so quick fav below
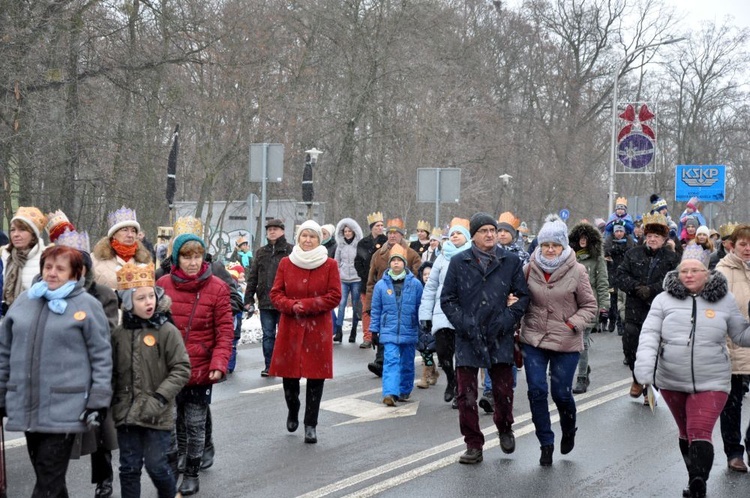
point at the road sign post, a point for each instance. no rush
(438, 185)
(266, 165)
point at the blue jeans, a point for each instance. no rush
(488, 380)
(562, 369)
(139, 445)
(398, 368)
(269, 320)
(347, 289)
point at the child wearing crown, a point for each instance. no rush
(620, 215)
(150, 366)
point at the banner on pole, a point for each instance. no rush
(636, 139)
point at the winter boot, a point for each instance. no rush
(424, 382)
(190, 483)
(207, 460)
(433, 375)
(700, 459)
(353, 333)
(684, 450)
(450, 389)
(582, 382)
(338, 336)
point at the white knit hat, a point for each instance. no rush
(554, 230)
(703, 229)
(310, 225)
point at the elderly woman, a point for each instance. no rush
(120, 246)
(683, 352)
(348, 235)
(562, 307)
(307, 287)
(202, 312)
(21, 256)
(55, 366)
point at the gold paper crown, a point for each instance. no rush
(436, 233)
(462, 222)
(188, 224)
(423, 225)
(396, 224)
(510, 219)
(374, 218)
(33, 217)
(130, 276)
(621, 201)
(397, 251)
(656, 218)
(728, 229)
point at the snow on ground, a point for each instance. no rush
(252, 332)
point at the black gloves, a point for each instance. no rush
(643, 292)
(93, 418)
(425, 325)
(375, 338)
(426, 342)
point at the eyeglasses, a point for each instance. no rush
(485, 231)
(691, 271)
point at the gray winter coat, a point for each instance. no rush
(429, 308)
(345, 253)
(688, 334)
(53, 367)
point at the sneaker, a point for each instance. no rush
(264, 372)
(508, 442)
(546, 459)
(389, 400)
(365, 345)
(568, 441)
(471, 456)
(487, 403)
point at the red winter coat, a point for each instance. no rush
(202, 311)
(304, 343)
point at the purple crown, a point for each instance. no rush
(74, 239)
(121, 215)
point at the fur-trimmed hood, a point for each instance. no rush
(592, 234)
(716, 287)
(339, 235)
(103, 251)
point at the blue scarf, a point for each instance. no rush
(56, 298)
(449, 249)
(245, 257)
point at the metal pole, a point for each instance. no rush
(437, 197)
(263, 195)
(611, 203)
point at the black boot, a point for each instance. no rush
(181, 460)
(208, 457)
(291, 395)
(450, 389)
(338, 336)
(700, 459)
(190, 483)
(353, 333)
(104, 488)
(311, 437)
(684, 450)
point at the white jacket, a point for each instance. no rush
(30, 269)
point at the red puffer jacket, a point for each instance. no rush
(202, 312)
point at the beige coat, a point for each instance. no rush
(106, 262)
(566, 298)
(738, 277)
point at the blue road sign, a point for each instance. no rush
(707, 183)
(564, 214)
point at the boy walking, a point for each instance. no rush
(151, 366)
(395, 324)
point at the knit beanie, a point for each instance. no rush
(692, 222)
(310, 225)
(179, 241)
(460, 228)
(554, 230)
(618, 226)
(330, 229)
(478, 220)
(703, 229)
(657, 203)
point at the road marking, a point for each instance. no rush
(272, 388)
(367, 411)
(581, 406)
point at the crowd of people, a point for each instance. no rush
(477, 301)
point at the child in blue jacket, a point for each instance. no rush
(395, 324)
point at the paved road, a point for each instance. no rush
(366, 449)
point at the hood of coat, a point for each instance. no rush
(591, 233)
(103, 251)
(733, 262)
(351, 224)
(716, 287)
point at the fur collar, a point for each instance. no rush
(592, 234)
(103, 251)
(715, 289)
(340, 231)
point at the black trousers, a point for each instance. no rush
(445, 347)
(49, 454)
(630, 340)
(312, 398)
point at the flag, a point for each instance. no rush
(172, 168)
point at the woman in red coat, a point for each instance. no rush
(202, 311)
(307, 287)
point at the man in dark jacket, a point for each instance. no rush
(479, 285)
(365, 249)
(640, 276)
(260, 281)
(615, 247)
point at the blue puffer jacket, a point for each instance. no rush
(396, 320)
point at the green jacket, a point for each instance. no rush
(146, 361)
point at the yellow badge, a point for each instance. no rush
(710, 313)
(389, 291)
(149, 340)
(79, 315)
(377, 246)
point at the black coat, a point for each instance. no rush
(263, 272)
(614, 253)
(365, 249)
(643, 267)
(474, 301)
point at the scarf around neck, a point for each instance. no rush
(56, 298)
(125, 252)
(449, 249)
(308, 260)
(245, 258)
(550, 265)
(13, 279)
(398, 277)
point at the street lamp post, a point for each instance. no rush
(613, 157)
(311, 159)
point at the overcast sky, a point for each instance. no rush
(715, 10)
